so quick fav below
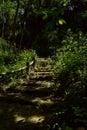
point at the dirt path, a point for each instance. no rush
(28, 105)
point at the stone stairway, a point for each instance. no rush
(43, 69)
(39, 86)
(30, 101)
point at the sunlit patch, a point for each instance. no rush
(32, 119)
(36, 119)
(19, 118)
(44, 84)
(36, 100)
(41, 101)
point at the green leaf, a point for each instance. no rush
(61, 21)
(45, 14)
(45, 17)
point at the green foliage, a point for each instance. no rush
(26, 55)
(21, 58)
(12, 60)
(61, 21)
(14, 82)
(71, 75)
(6, 54)
(42, 24)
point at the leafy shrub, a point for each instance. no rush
(71, 60)
(22, 56)
(6, 54)
(26, 55)
(10, 59)
(71, 75)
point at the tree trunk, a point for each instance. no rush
(3, 21)
(14, 24)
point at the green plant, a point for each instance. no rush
(71, 58)
(6, 55)
(71, 75)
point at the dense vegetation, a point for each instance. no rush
(55, 28)
(71, 81)
(11, 59)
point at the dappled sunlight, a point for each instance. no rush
(32, 119)
(36, 119)
(19, 118)
(25, 104)
(44, 83)
(42, 101)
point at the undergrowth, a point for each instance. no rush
(13, 60)
(71, 82)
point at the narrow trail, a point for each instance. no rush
(28, 105)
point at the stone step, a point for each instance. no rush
(42, 77)
(50, 68)
(41, 73)
(43, 61)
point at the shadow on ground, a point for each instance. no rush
(26, 107)
(21, 117)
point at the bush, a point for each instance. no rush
(71, 75)
(6, 54)
(71, 60)
(12, 60)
